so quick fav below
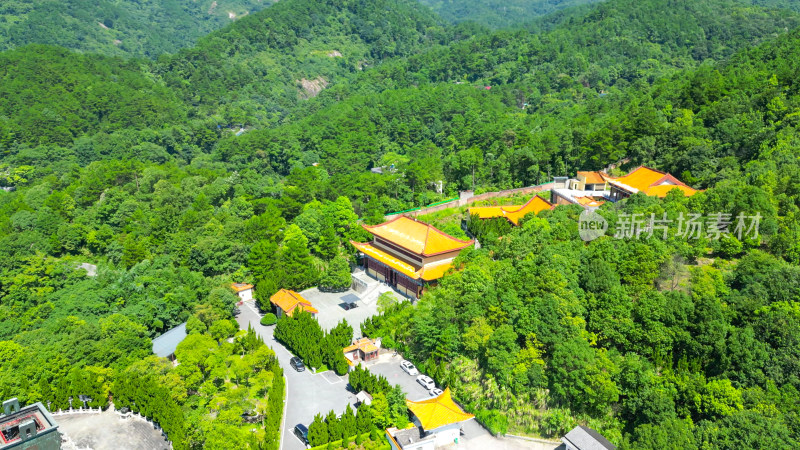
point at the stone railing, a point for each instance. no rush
(77, 411)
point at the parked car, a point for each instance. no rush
(426, 382)
(349, 305)
(408, 368)
(435, 392)
(301, 432)
(297, 364)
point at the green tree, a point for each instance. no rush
(348, 422)
(297, 263)
(337, 276)
(318, 432)
(335, 430)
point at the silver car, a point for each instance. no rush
(409, 368)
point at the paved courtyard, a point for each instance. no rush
(331, 311)
(107, 431)
(390, 368)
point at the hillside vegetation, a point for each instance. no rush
(658, 343)
(140, 28)
(498, 14)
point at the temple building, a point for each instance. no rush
(592, 181)
(648, 181)
(27, 428)
(408, 254)
(587, 189)
(364, 349)
(591, 189)
(437, 423)
(287, 302)
(512, 213)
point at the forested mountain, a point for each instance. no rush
(131, 165)
(52, 96)
(618, 40)
(498, 14)
(531, 77)
(143, 28)
(265, 63)
(659, 343)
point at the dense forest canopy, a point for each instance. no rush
(140, 28)
(498, 14)
(247, 157)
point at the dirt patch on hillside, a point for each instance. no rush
(311, 88)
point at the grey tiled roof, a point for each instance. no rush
(166, 344)
(585, 438)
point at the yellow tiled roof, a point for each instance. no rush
(434, 271)
(512, 213)
(661, 191)
(652, 182)
(417, 237)
(641, 178)
(239, 287)
(396, 264)
(589, 201)
(593, 177)
(289, 300)
(366, 345)
(428, 273)
(488, 212)
(438, 411)
(534, 205)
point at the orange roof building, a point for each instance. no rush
(287, 301)
(243, 290)
(408, 254)
(512, 213)
(592, 181)
(364, 349)
(648, 181)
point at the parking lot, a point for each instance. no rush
(331, 311)
(390, 368)
(308, 393)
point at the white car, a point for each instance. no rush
(408, 368)
(426, 382)
(435, 392)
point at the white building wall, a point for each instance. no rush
(246, 294)
(447, 434)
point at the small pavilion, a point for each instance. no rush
(437, 423)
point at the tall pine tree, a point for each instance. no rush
(296, 260)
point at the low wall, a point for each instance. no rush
(470, 199)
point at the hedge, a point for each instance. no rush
(269, 319)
